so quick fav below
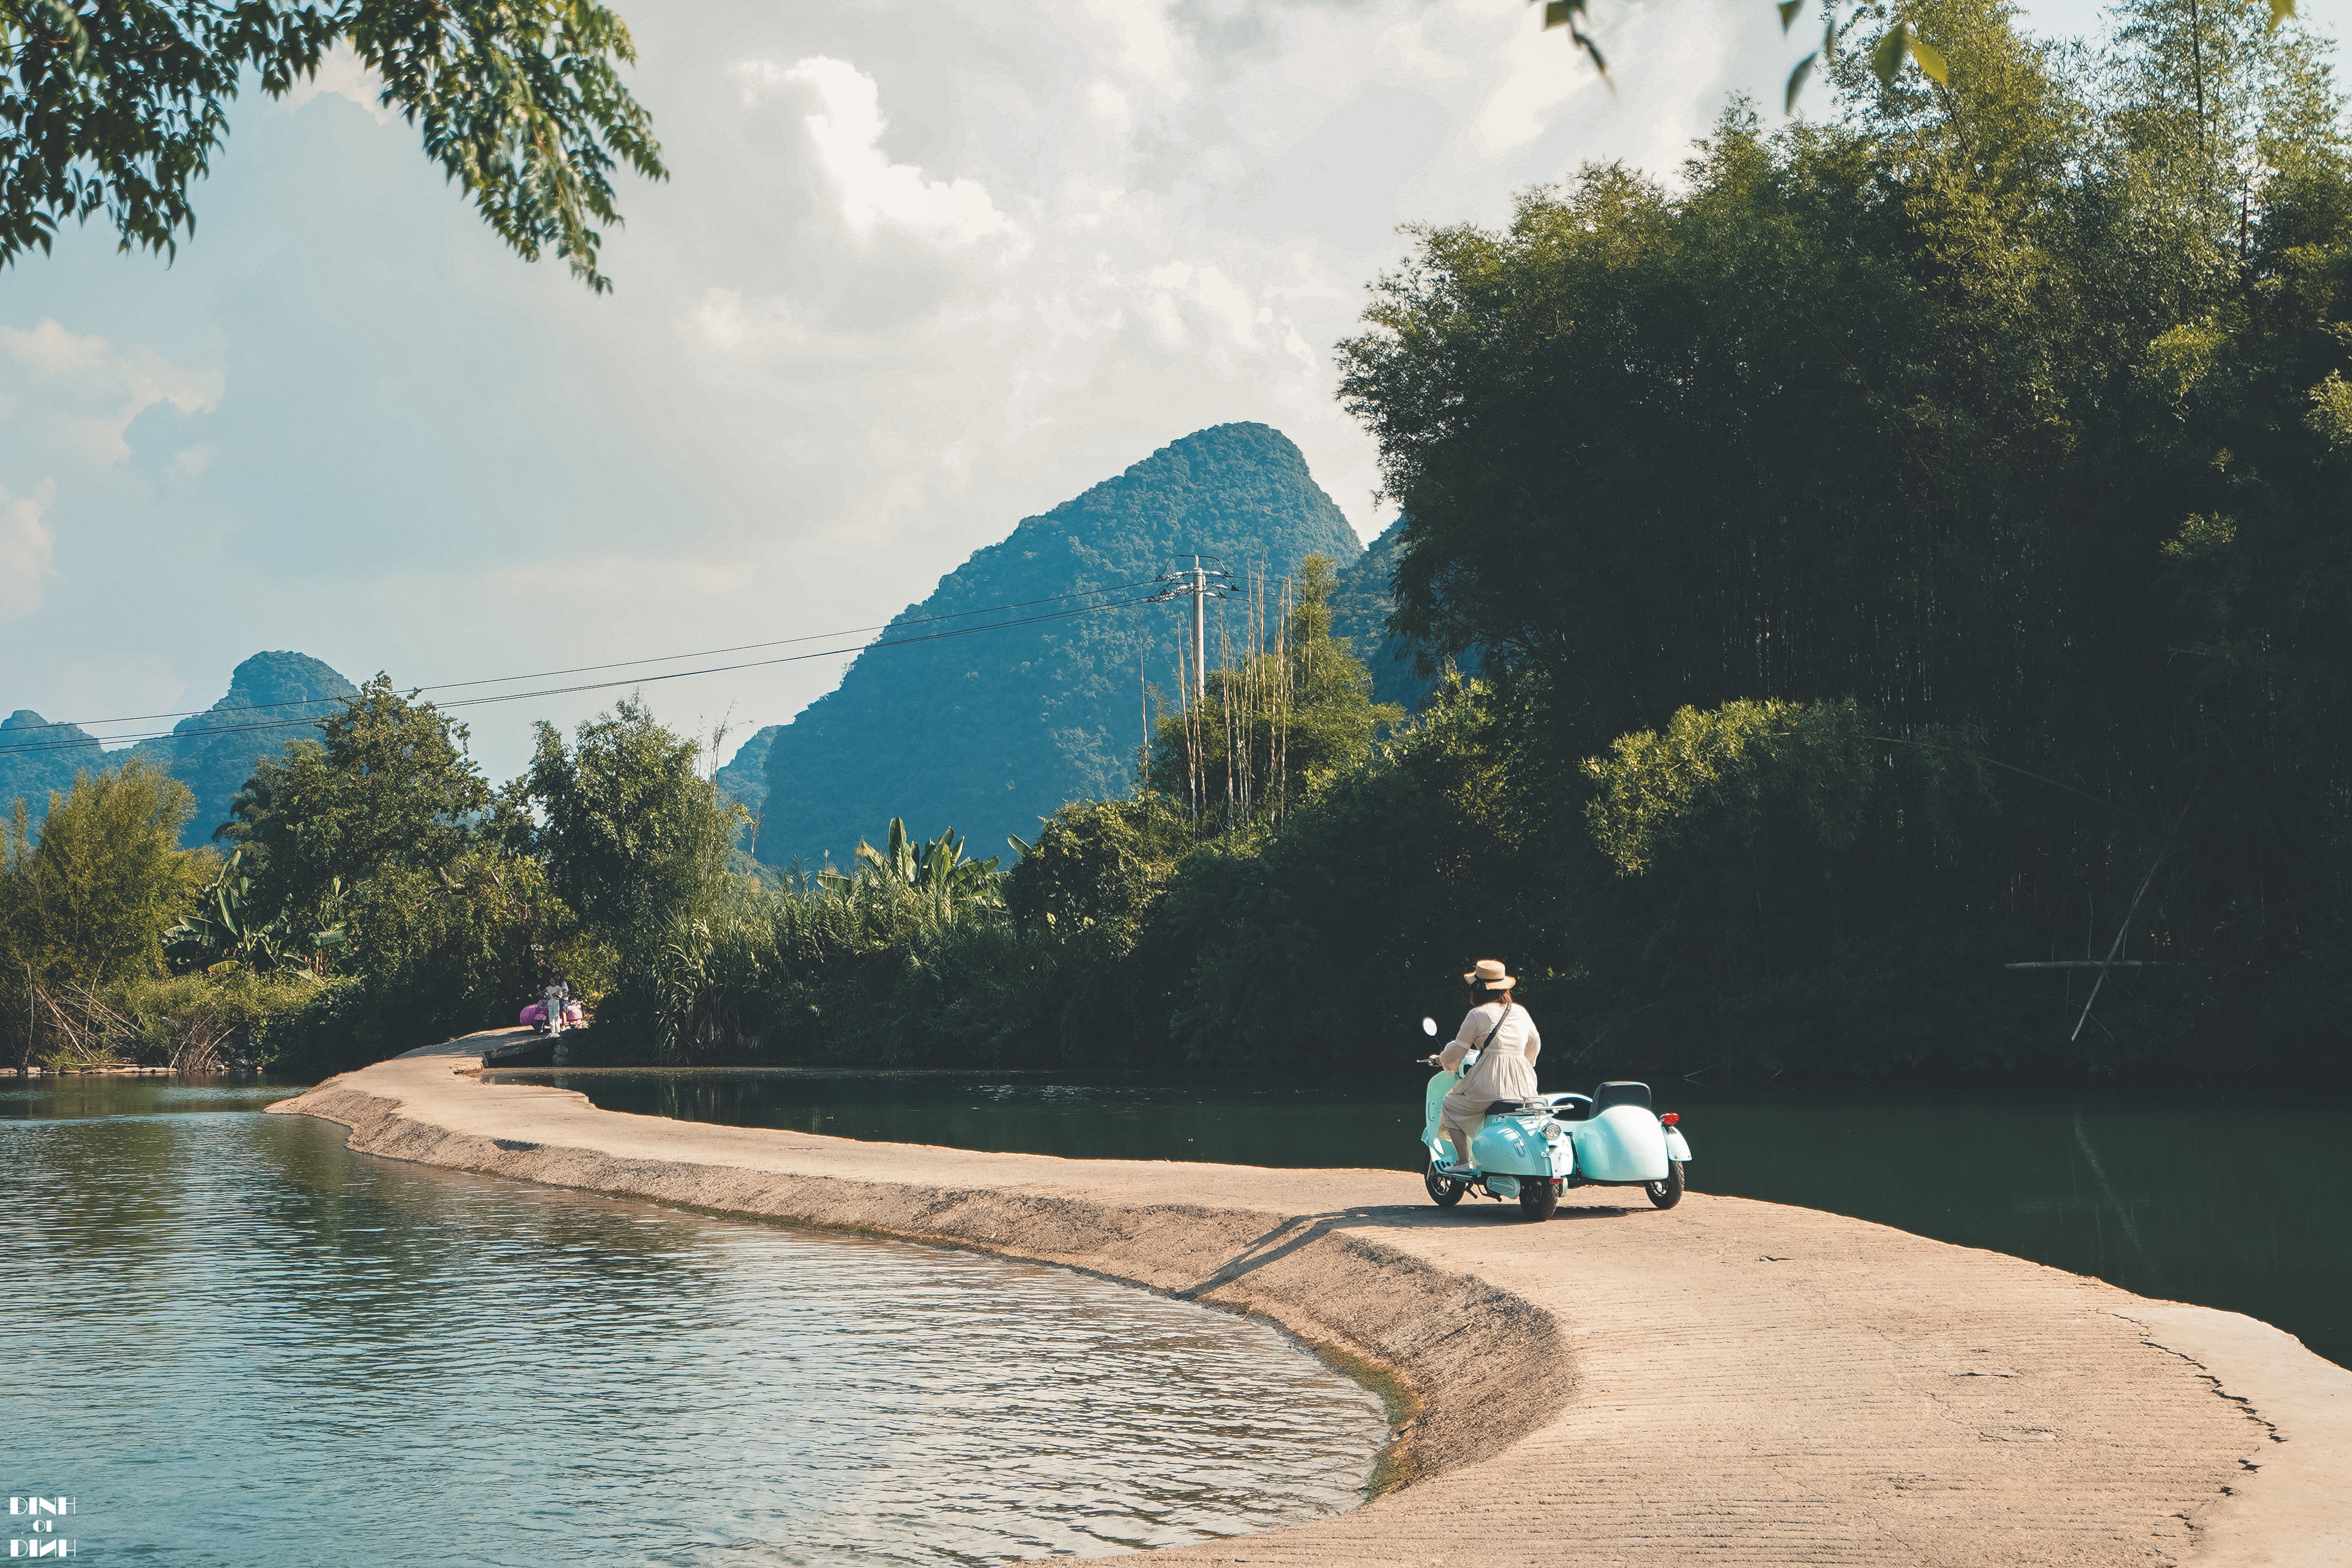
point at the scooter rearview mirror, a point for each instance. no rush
(1429, 1027)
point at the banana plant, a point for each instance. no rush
(937, 867)
(221, 932)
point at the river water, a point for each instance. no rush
(233, 1341)
(2237, 1205)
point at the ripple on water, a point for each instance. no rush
(255, 1347)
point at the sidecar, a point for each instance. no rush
(1620, 1142)
(1534, 1149)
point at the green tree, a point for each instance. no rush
(635, 835)
(1999, 408)
(379, 855)
(87, 904)
(1293, 712)
(116, 108)
(387, 786)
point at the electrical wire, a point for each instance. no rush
(586, 668)
(310, 722)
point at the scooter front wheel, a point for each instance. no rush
(1665, 1195)
(1443, 1192)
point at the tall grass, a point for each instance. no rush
(863, 970)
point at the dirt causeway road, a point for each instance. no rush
(1729, 1383)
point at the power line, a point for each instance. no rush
(583, 669)
(606, 685)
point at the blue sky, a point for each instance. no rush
(918, 274)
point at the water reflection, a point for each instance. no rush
(261, 1349)
(2232, 1205)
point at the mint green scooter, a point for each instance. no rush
(1534, 1149)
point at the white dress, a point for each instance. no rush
(1505, 1072)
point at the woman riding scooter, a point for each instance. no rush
(1507, 1044)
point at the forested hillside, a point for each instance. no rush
(37, 756)
(270, 697)
(989, 732)
(1363, 605)
(744, 778)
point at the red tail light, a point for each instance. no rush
(1671, 1117)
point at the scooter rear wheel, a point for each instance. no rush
(1665, 1195)
(1443, 1193)
(1538, 1199)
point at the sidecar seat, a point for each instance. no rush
(1622, 1092)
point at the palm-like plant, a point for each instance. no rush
(224, 929)
(936, 867)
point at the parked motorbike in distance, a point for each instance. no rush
(554, 1012)
(1535, 1149)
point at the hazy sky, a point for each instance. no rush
(919, 272)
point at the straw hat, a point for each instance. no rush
(1490, 974)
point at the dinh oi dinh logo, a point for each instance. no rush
(33, 1526)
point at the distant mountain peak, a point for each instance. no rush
(284, 677)
(213, 753)
(988, 733)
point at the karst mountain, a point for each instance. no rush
(989, 732)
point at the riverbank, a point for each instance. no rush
(1729, 1383)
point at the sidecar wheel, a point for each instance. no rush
(1444, 1194)
(1538, 1199)
(1665, 1195)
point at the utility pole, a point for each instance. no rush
(1199, 583)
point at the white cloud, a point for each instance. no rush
(737, 326)
(1110, 106)
(94, 390)
(189, 463)
(341, 74)
(846, 129)
(1540, 70)
(1138, 38)
(27, 548)
(49, 349)
(884, 309)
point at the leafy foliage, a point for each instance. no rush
(116, 109)
(88, 904)
(1294, 712)
(226, 928)
(634, 833)
(1992, 422)
(377, 864)
(1724, 769)
(387, 786)
(936, 868)
(83, 908)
